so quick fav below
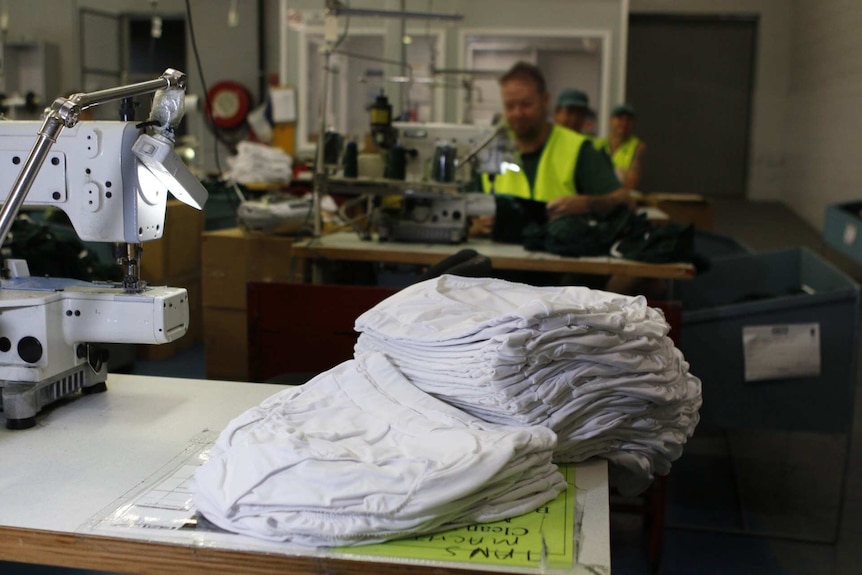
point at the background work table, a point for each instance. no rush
(85, 457)
(348, 246)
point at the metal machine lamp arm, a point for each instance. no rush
(500, 128)
(65, 113)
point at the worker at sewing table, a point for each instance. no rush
(557, 167)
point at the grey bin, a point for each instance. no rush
(842, 229)
(220, 212)
(784, 287)
(713, 245)
(221, 206)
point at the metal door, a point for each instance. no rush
(690, 80)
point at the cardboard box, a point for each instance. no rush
(195, 331)
(178, 253)
(683, 208)
(231, 258)
(226, 344)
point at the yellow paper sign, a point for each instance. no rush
(518, 542)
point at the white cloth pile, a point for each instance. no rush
(256, 163)
(597, 368)
(360, 455)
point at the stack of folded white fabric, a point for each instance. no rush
(360, 455)
(597, 368)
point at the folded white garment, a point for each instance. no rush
(597, 368)
(451, 308)
(360, 455)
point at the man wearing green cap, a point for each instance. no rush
(572, 109)
(558, 166)
(624, 148)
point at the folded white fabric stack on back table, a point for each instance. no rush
(597, 368)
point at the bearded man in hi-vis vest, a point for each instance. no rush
(556, 166)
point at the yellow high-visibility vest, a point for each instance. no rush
(624, 155)
(555, 176)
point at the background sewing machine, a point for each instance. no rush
(439, 191)
(112, 181)
(422, 143)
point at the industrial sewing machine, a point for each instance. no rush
(423, 142)
(441, 162)
(112, 180)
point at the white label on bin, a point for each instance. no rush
(849, 234)
(781, 351)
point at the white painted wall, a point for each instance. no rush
(807, 123)
(559, 16)
(824, 110)
(566, 70)
(562, 55)
(768, 161)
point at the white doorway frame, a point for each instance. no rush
(604, 37)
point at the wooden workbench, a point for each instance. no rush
(86, 456)
(349, 247)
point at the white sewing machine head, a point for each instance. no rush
(112, 180)
(93, 174)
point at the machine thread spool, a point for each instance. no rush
(443, 167)
(396, 165)
(351, 160)
(332, 144)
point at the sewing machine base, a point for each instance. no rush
(439, 220)
(22, 401)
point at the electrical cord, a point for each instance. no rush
(349, 222)
(375, 59)
(346, 28)
(432, 47)
(213, 128)
(383, 61)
